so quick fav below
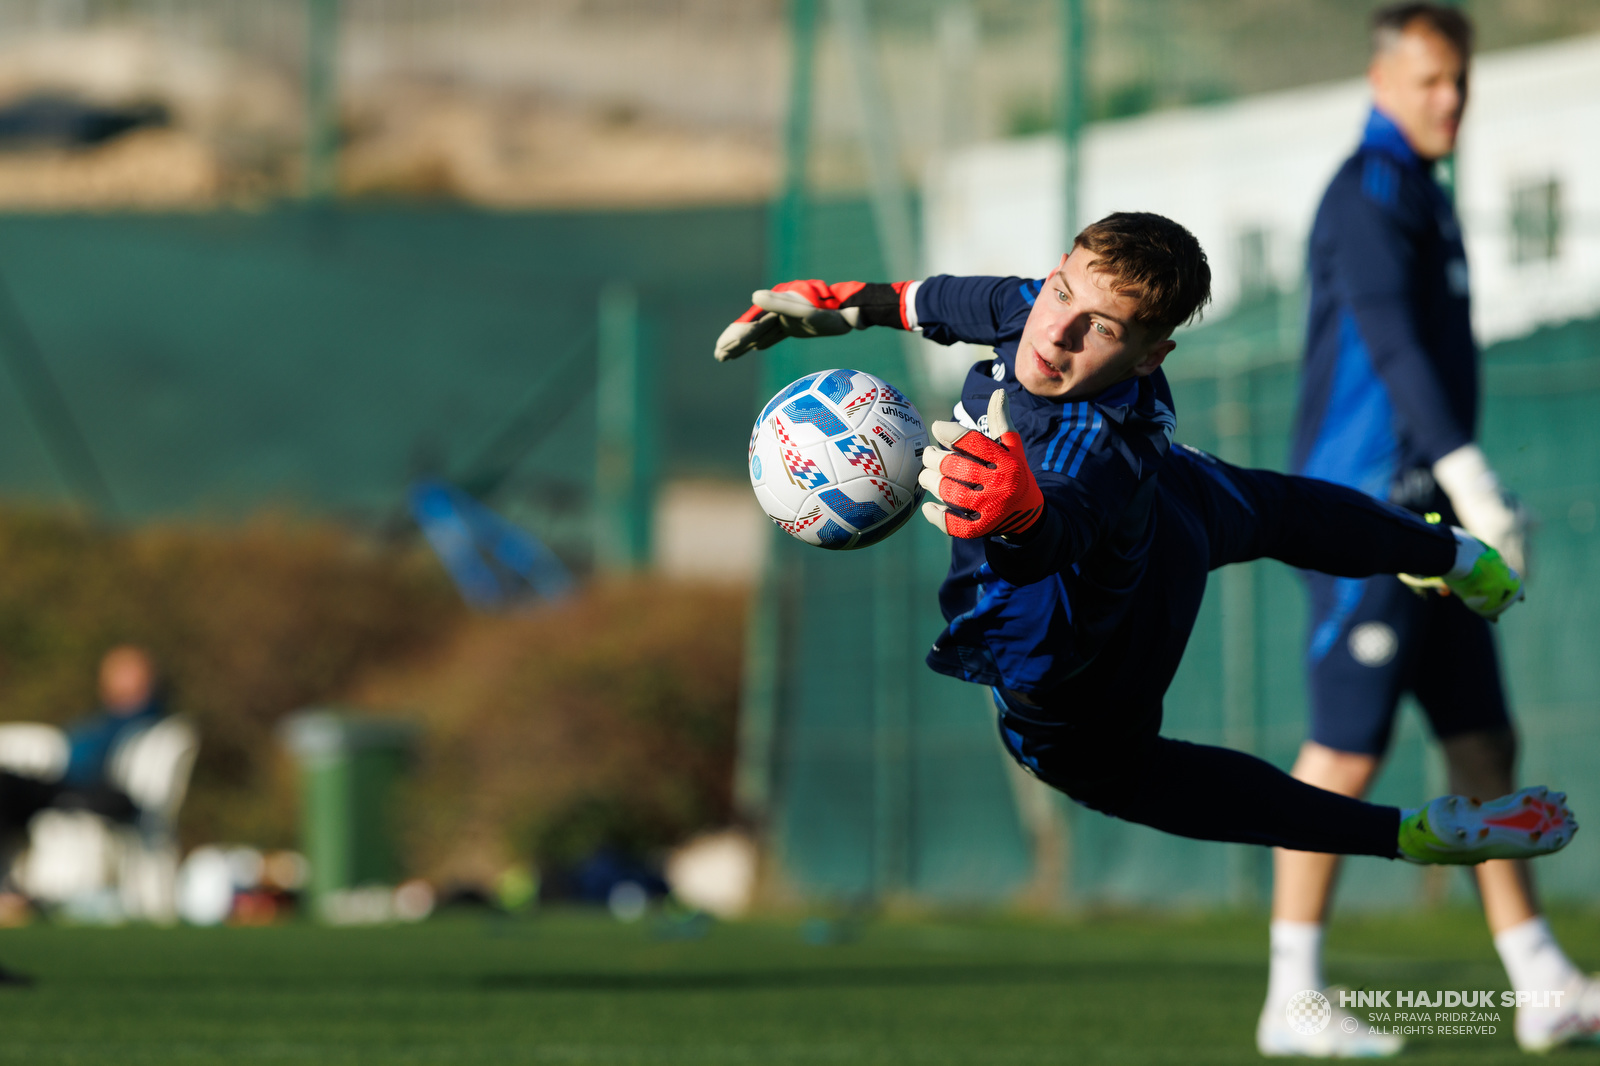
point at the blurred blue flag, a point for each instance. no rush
(494, 563)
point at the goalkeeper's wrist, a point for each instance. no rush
(1024, 538)
(881, 303)
(1029, 556)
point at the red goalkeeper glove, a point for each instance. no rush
(982, 485)
(812, 309)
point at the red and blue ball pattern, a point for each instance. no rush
(834, 459)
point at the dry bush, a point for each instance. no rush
(608, 719)
(249, 622)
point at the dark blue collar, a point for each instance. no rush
(1384, 136)
(1122, 394)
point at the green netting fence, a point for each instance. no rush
(217, 363)
(321, 358)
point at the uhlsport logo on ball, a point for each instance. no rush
(1309, 1012)
(834, 459)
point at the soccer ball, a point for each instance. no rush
(834, 459)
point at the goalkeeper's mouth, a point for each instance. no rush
(1045, 366)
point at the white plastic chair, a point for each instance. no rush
(76, 856)
(29, 749)
(71, 856)
(153, 765)
(33, 749)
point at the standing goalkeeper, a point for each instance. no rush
(1389, 405)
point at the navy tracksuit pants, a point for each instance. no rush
(1098, 737)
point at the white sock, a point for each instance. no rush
(1533, 959)
(1296, 960)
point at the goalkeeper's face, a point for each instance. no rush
(1081, 337)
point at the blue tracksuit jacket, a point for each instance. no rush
(1391, 372)
(1027, 617)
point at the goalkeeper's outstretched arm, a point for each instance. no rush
(944, 309)
(817, 309)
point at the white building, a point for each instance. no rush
(1246, 178)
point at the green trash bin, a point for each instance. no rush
(350, 765)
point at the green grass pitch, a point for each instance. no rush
(577, 989)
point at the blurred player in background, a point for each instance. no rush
(130, 701)
(1082, 538)
(1389, 405)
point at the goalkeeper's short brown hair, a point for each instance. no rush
(1154, 260)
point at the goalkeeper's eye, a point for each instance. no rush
(1061, 296)
(1101, 326)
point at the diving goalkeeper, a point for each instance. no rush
(1083, 537)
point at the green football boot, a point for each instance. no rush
(1458, 831)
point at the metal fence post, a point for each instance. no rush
(760, 703)
(891, 204)
(322, 99)
(625, 463)
(1239, 717)
(892, 718)
(1070, 113)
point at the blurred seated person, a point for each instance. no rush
(130, 700)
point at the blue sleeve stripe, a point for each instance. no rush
(1355, 442)
(1086, 445)
(1080, 422)
(1381, 181)
(1068, 421)
(1030, 290)
(1071, 418)
(1080, 425)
